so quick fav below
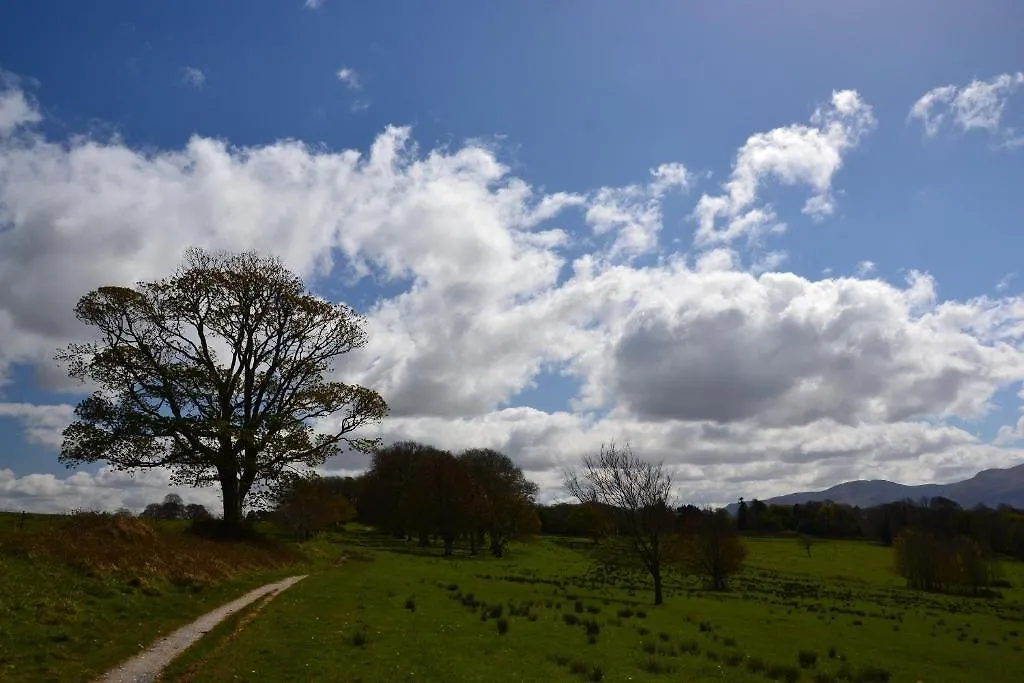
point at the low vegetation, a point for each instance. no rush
(79, 593)
(547, 612)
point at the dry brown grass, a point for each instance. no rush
(138, 550)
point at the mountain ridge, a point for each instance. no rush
(992, 487)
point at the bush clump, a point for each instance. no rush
(807, 658)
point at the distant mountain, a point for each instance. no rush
(989, 487)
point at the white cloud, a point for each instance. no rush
(314, 4)
(349, 77)
(793, 155)
(193, 76)
(865, 268)
(359, 105)
(749, 384)
(1005, 281)
(634, 211)
(103, 490)
(16, 110)
(42, 424)
(977, 105)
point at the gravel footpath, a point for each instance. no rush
(147, 666)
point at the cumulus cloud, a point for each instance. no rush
(798, 154)
(633, 212)
(979, 105)
(349, 77)
(314, 4)
(746, 382)
(42, 424)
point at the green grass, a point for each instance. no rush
(69, 614)
(74, 605)
(352, 622)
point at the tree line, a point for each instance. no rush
(996, 530)
(478, 498)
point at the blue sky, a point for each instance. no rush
(569, 97)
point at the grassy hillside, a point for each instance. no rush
(544, 613)
(78, 594)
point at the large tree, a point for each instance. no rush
(216, 373)
(636, 495)
(502, 497)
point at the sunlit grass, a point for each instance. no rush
(788, 616)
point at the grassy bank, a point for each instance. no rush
(78, 594)
(543, 613)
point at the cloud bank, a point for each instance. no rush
(747, 381)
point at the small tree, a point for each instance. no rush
(305, 505)
(635, 494)
(216, 373)
(806, 541)
(711, 548)
(197, 512)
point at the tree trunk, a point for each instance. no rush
(449, 542)
(472, 543)
(232, 504)
(656, 573)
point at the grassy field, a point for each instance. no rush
(543, 613)
(80, 594)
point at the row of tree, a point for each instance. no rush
(173, 507)
(476, 496)
(999, 531)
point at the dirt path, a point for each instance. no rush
(147, 666)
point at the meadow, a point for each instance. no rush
(387, 611)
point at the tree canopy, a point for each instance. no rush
(217, 374)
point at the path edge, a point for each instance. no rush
(148, 664)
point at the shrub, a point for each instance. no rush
(578, 668)
(625, 613)
(570, 619)
(592, 627)
(596, 674)
(783, 672)
(643, 630)
(591, 639)
(665, 637)
(729, 642)
(650, 648)
(823, 677)
(755, 665)
(807, 658)
(579, 606)
(654, 666)
(410, 604)
(502, 626)
(494, 611)
(359, 638)
(831, 653)
(732, 659)
(873, 674)
(640, 614)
